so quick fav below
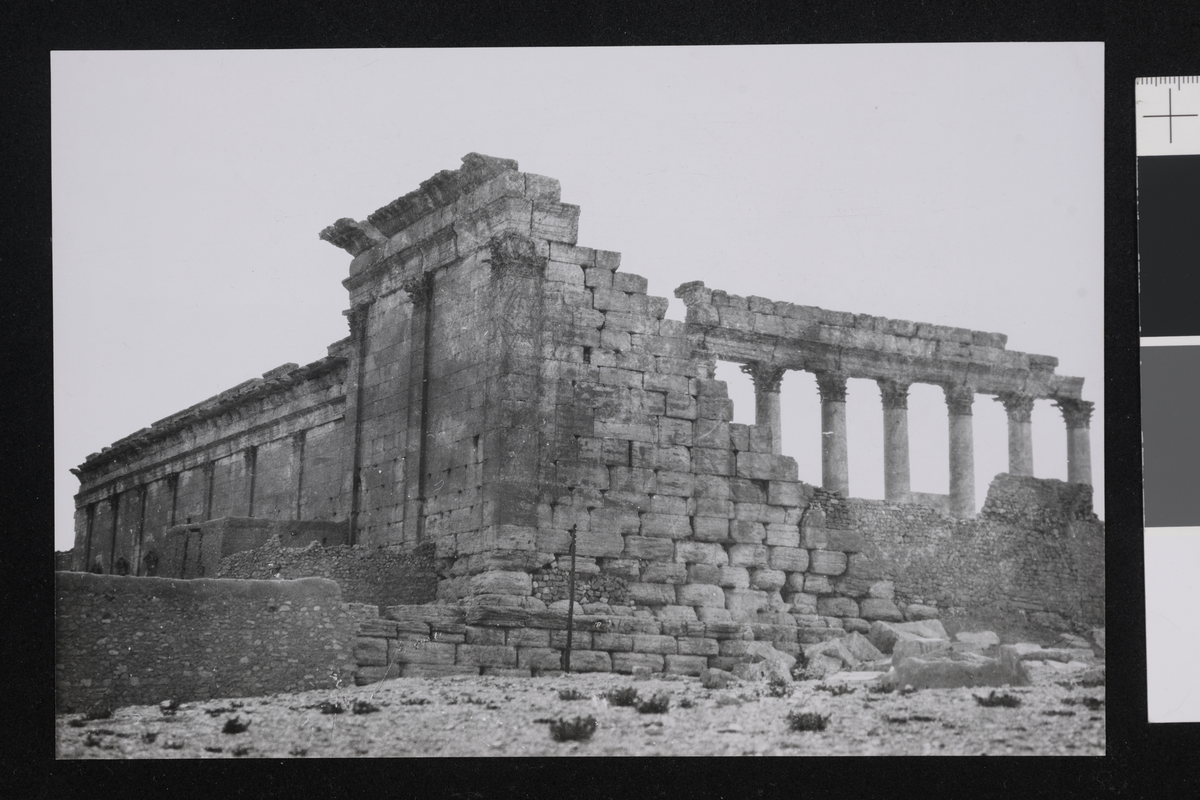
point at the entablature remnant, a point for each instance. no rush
(755, 330)
(273, 381)
(455, 214)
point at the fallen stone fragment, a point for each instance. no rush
(763, 651)
(1027, 651)
(917, 646)
(771, 670)
(715, 678)
(1098, 637)
(983, 639)
(861, 648)
(1071, 640)
(917, 611)
(884, 635)
(821, 666)
(947, 669)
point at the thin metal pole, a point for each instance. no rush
(570, 604)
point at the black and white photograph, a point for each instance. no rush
(641, 401)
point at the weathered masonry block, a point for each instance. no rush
(518, 408)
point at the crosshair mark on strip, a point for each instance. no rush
(1168, 115)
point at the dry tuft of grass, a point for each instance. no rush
(807, 720)
(658, 703)
(579, 729)
(994, 700)
(625, 696)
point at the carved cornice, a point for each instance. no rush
(1077, 413)
(766, 377)
(959, 399)
(894, 394)
(514, 254)
(1019, 407)
(442, 189)
(238, 397)
(353, 237)
(832, 386)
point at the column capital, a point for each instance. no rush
(1077, 413)
(893, 393)
(959, 399)
(356, 318)
(766, 377)
(832, 386)
(417, 288)
(1019, 407)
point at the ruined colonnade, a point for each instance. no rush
(768, 378)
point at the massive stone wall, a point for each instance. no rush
(375, 576)
(126, 640)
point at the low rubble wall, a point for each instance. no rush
(377, 576)
(1036, 546)
(129, 641)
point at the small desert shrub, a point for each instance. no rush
(836, 689)
(994, 700)
(329, 707)
(101, 713)
(363, 707)
(1056, 713)
(298, 751)
(77, 723)
(657, 704)
(240, 750)
(1090, 703)
(1092, 682)
(626, 696)
(778, 687)
(235, 725)
(807, 720)
(168, 707)
(570, 694)
(579, 729)
(686, 702)
(149, 736)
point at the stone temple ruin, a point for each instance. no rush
(512, 414)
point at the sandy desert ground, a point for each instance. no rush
(500, 716)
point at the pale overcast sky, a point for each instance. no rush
(958, 184)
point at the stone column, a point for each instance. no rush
(962, 450)
(767, 379)
(1019, 408)
(896, 477)
(835, 471)
(1078, 415)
